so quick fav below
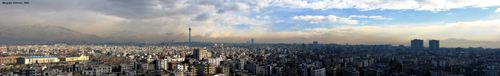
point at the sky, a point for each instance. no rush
(267, 21)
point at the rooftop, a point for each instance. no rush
(42, 57)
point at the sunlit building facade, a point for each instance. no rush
(37, 59)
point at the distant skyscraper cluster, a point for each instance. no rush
(418, 44)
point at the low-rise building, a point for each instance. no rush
(75, 58)
(98, 70)
(8, 60)
(37, 59)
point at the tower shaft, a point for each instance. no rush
(189, 36)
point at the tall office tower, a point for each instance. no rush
(252, 41)
(189, 35)
(417, 44)
(433, 44)
(315, 42)
(201, 54)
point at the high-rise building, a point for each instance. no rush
(201, 54)
(417, 44)
(161, 64)
(315, 42)
(433, 44)
(189, 35)
(252, 41)
(206, 69)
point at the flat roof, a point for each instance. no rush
(42, 57)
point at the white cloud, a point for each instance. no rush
(370, 17)
(486, 30)
(422, 5)
(328, 18)
(498, 10)
(266, 17)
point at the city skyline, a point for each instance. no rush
(454, 23)
(250, 37)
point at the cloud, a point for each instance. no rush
(370, 17)
(474, 30)
(419, 5)
(497, 10)
(263, 17)
(136, 20)
(202, 17)
(481, 30)
(328, 18)
(464, 43)
(218, 20)
(335, 19)
(133, 8)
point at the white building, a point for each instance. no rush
(215, 61)
(162, 64)
(37, 59)
(76, 58)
